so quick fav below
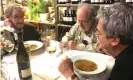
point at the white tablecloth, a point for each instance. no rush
(45, 66)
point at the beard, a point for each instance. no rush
(19, 26)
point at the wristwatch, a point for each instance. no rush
(74, 77)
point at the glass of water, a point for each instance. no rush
(51, 46)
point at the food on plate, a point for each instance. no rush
(30, 47)
(85, 65)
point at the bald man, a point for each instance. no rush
(84, 29)
(81, 35)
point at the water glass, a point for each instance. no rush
(51, 46)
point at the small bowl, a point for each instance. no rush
(101, 66)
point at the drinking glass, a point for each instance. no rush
(9, 47)
(7, 41)
(51, 46)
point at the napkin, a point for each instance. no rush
(45, 66)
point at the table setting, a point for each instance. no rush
(44, 62)
(104, 62)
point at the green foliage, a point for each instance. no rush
(31, 4)
(36, 8)
(32, 10)
(41, 6)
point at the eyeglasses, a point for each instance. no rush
(84, 21)
(98, 35)
(18, 18)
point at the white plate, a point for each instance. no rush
(101, 66)
(38, 43)
(97, 56)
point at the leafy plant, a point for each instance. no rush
(35, 8)
(41, 6)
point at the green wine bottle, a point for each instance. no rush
(23, 61)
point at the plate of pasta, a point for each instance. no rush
(33, 45)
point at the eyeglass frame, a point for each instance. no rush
(84, 21)
(97, 35)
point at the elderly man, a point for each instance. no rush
(82, 32)
(14, 16)
(81, 35)
(115, 38)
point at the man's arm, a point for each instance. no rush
(70, 35)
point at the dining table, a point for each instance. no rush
(44, 66)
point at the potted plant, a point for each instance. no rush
(36, 8)
(32, 10)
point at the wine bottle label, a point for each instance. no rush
(67, 18)
(25, 73)
(92, 1)
(96, 1)
(64, 18)
(70, 19)
(83, 0)
(24, 68)
(101, 1)
(128, 0)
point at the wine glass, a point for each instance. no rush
(48, 39)
(51, 46)
(85, 42)
(7, 38)
(9, 46)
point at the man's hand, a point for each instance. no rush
(44, 41)
(72, 45)
(63, 45)
(7, 22)
(66, 67)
